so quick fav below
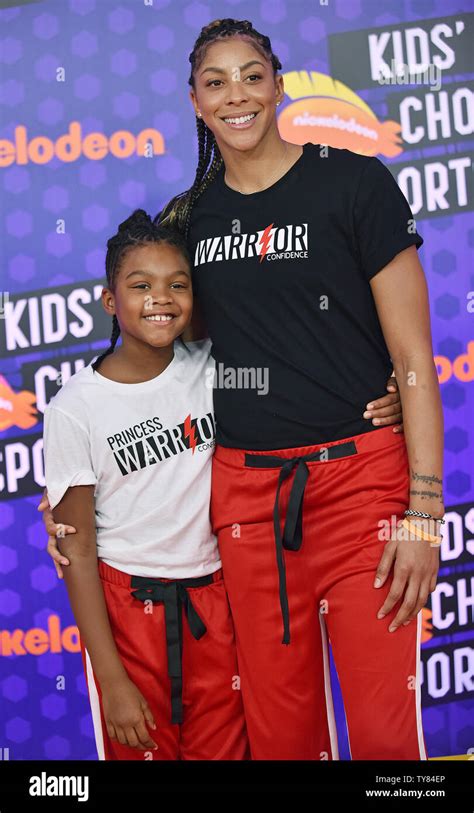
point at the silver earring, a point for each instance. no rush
(199, 114)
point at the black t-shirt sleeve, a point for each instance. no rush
(383, 221)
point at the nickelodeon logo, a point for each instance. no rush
(37, 641)
(462, 367)
(326, 111)
(73, 145)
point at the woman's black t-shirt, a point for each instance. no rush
(282, 276)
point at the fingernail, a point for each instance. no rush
(405, 623)
(366, 414)
(377, 582)
(380, 614)
(370, 406)
(392, 629)
(376, 420)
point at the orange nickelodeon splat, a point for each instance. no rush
(325, 111)
(16, 408)
(426, 625)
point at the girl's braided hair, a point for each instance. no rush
(136, 230)
(177, 212)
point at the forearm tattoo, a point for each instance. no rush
(427, 480)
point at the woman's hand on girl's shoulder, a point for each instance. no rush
(55, 531)
(387, 410)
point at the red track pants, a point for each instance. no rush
(329, 583)
(213, 724)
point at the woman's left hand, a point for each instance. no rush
(415, 574)
(388, 409)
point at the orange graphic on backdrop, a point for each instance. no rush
(325, 111)
(426, 625)
(16, 408)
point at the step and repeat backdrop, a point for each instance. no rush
(95, 121)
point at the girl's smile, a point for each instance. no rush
(161, 319)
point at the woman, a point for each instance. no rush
(306, 270)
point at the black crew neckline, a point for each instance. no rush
(232, 193)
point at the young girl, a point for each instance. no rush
(128, 461)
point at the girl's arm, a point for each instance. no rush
(83, 583)
(401, 299)
(124, 707)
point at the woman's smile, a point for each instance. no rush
(242, 122)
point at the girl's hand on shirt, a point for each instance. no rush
(54, 530)
(388, 409)
(414, 578)
(126, 714)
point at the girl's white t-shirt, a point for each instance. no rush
(147, 448)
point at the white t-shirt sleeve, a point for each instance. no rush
(67, 455)
(201, 347)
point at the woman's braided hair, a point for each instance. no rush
(177, 213)
(136, 230)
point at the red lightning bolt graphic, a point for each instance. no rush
(264, 241)
(190, 432)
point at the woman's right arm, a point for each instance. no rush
(54, 531)
(125, 709)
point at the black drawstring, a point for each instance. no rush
(292, 537)
(173, 594)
